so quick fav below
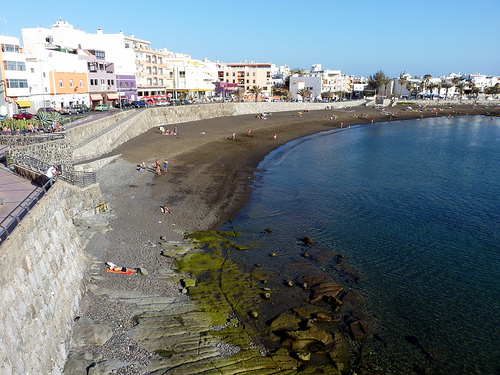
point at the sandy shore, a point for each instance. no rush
(207, 183)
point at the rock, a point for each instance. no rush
(269, 230)
(306, 255)
(254, 314)
(184, 291)
(304, 356)
(289, 283)
(299, 341)
(143, 272)
(188, 282)
(307, 240)
(328, 292)
(359, 330)
(273, 254)
(88, 332)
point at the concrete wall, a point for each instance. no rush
(114, 132)
(42, 267)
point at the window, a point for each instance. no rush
(148, 59)
(70, 83)
(227, 74)
(182, 74)
(254, 81)
(155, 70)
(101, 66)
(234, 74)
(126, 84)
(148, 70)
(92, 67)
(14, 65)
(149, 81)
(248, 81)
(17, 83)
(61, 85)
(233, 81)
(253, 74)
(154, 60)
(10, 48)
(248, 73)
(171, 74)
(160, 82)
(81, 83)
(155, 81)
(160, 60)
(160, 71)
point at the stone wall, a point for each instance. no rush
(58, 152)
(42, 267)
(134, 124)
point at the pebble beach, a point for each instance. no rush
(208, 181)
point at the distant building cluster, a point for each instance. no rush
(63, 67)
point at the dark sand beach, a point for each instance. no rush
(208, 181)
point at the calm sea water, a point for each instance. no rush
(415, 207)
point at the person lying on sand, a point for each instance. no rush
(114, 267)
(165, 209)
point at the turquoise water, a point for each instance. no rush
(415, 207)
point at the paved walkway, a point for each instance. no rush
(14, 192)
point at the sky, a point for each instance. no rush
(359, 37)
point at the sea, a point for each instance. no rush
(414, 207)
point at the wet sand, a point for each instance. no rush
(207, 183)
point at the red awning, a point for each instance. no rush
(95, 97)
(112, 96)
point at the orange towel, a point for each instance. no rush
(124, 273)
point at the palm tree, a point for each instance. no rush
(286, 95)
(300, 72)
(256, 90)
(461, 87)
(329, 95)
(447, 87)
(425, 82)
(304, 93)
(455, 81)
(238, 93)
(401, 82)
(431, 86)
(409, 87)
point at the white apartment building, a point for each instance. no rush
(14, 84)
(331, 80)
(312, 83)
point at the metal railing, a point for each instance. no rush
(77, 178)
(7, 230)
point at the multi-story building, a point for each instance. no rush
(14, 86)
(313, 84)
(247, 75)
(101, 78)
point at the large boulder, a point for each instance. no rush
(88, 332)
(328, 292)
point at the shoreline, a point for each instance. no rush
(208, 182)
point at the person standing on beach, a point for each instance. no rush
(157, 165)
(274, 136)
(234, 136)
(165, 165)
(249, 130)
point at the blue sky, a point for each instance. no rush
(357, 36)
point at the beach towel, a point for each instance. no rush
(124, 273)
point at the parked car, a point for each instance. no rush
(68, 110)
(82, 108)
(101, 107)
(162, 103)
(139, 104)
(125, 105)
(48, 110)
(23, 115)
(2, 118)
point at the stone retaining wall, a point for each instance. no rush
(58, 152)
(42, 267)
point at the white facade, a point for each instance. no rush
(14, 84)
(311, 83)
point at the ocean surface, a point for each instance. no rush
(414, 206)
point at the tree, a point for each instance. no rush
(304, 93)
(238, 93)
(401, 82)
(461, 86)
(300, 72)
(328, 95)
(409, 87)
(431, 86)
(447, 87)
(286, 95)
(256, 90)
(377, 80)
(425, 82)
